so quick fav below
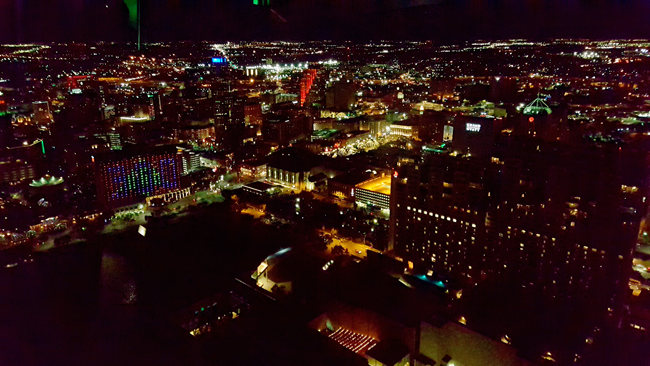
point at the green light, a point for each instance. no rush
(202, 309)
(43, 147)
(132, 6)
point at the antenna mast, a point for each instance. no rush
(139, 9)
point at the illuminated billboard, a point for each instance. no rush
(472, 127)
(219, 60)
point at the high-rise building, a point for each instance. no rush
(222, 97)
(3, 104)
(6, 129)
(253, 114)
(537, 120)
(306, 81)
(238, 110)
(476, 134)
(286, 126)
(112, 139)
(342, 96)
(21, 162)
(16, 170)
(189, 159)
(431, 125)
(125, 178)
(561, 220)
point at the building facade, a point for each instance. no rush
(125, 180)
(561, 221)
(14, 171)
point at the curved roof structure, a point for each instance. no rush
(46, 181)
(537, 107)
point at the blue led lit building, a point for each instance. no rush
(128, 177)
(220, 66)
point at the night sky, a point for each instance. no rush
(220, 20)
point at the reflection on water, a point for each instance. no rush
(130, 293)
(117, 280)
(106, 302)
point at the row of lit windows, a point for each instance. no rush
(443, 217)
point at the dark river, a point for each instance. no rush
(108, 302)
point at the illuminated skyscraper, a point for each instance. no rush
(3, 104)
(537, 119)
(124, 179)
(306, 81)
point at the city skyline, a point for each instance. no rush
(379, 203)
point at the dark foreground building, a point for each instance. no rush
(559, 220)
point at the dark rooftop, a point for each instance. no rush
(353, 177)
(424, 360)
(317, 177)
(388, 352)
(293, 160)
(130, 151)
(260, 186)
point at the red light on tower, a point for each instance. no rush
(531, 119)
(395, 174)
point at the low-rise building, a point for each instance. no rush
(290, 168)
(373, 193)
(254, 170)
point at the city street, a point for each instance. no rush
(355, 249)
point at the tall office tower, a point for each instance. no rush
(342, 96)
(503, 89)
(21, 162)
(42, 115)
(562, 221)
(283, 129)
(537, 120)
(476, 134)
(32, 151)
(431, 125)
(126, 177)
(222, 98)
(15, 171)
(81, 109)
(220, 67)
(238, 113)
(3, 104)
(253, 114)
